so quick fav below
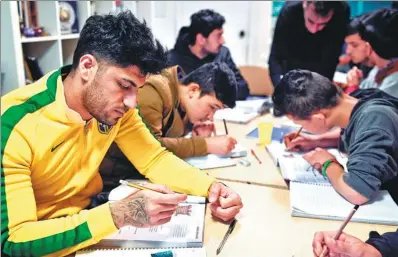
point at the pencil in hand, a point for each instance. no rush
(298, 133)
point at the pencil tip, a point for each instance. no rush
(218, 251)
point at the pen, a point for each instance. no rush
(298, 133)
(325, 249)
(225, 126)
(124, 182)
(255, 156)
(229, 231)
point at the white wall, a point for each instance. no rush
(161, 17)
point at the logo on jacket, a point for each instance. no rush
(103, 128)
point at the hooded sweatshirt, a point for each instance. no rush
(371, 140)
(181, 55)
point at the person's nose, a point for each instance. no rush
(130, 99)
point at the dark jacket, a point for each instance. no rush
(294, 47)
(371, 140)
(386, 244)
(181, 55)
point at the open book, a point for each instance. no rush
(312, 195)
(295, 168)
(180, 252)
(184, 230)
(244, 111)
(323, 202)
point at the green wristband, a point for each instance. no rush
(327, 164)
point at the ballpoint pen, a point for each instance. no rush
(229, 231)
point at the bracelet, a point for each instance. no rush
(327, 164)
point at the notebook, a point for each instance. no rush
(210, 161)
(295, 168)
(244, 111)
(180, 252)
(323, 202)
(184, 230)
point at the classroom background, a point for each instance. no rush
(33, 44)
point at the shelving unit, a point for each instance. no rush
(52, 51)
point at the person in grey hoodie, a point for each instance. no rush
(368, 121)
(201, 43)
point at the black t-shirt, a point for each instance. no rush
(294, 47)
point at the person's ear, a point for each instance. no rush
(200, 39)
(319, 117)
(193, 90)
(88, 67)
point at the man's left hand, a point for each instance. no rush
(224, 202)
(318, 157)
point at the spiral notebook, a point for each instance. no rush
(323, 202)
(180, 252)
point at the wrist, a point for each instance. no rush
(370, 251)
(116, 218)
(327, 164)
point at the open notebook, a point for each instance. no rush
(312, 195)
(244, 111)
(295, 168)
(323, 202)
(185, 228)
(180, 252)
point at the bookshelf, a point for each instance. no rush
(52, 51)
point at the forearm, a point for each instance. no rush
(185, 147)
(61, 236)
(330, 138)
(335, 174)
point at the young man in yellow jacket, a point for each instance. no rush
(56, 131)
(170, 102)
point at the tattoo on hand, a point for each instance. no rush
(130, 211)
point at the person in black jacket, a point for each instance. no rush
(377, 245)
(308, 35)
(368, 121)
(201, 43)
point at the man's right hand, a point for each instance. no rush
(220, 145)
(354, 76)
(345, 246)
(303, 142)
(146, 208)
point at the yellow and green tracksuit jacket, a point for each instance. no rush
(49, 170)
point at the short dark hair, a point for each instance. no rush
(322, 8)
(300, 93)
(215, 78)
(356, 25)
(204, 22)
(121, 40)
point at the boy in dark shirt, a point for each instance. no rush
(368, 119)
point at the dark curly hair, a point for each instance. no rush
(120, 40)
(300, 93)
(204, 22)
(215, 78)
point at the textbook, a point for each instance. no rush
(185, 229)
(294, 167)
(210, 161)
(244, 111)
(321, 201)
(179, 252)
